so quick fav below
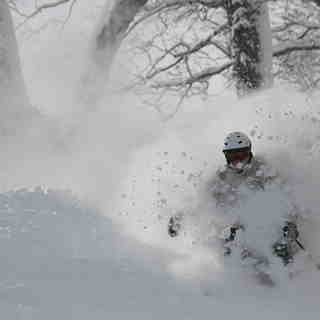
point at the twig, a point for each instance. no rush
(39, 9)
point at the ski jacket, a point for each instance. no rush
(230, 186)
(231, 189)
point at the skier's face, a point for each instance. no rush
(237, 159)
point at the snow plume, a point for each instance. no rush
(69, 147)
(171, 177)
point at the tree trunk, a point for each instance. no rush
(251, 44)
(107, 40)
(112, 30)
(14, 103)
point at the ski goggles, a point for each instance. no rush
(237, 156)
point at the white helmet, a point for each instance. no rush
(236, 141)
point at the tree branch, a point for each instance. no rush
(204, 75)
(197, 77)
(42, 7)
(207, 41)
(171, 5)
(283, 49)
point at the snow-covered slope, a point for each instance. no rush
(61, 259)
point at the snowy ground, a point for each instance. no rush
(62, 260)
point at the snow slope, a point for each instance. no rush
(61, 259)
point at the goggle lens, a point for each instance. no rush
(236, 156)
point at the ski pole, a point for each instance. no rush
(300, 245)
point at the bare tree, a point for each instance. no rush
(197, 40)
(189, 43)
(184, 46)
(107, 39)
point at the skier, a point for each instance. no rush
(244, 170)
